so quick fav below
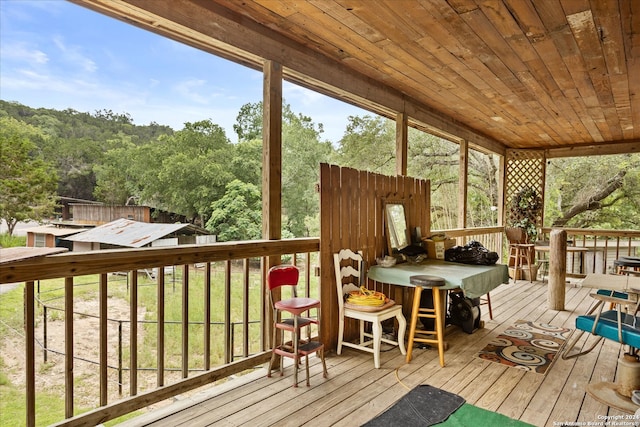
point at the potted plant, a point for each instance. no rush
(525, 210)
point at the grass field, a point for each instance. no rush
(50, 403)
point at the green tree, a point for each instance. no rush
(248, 124)
(77, 141)
(438, 160)
(302, 153)
(246, 164)
(27, 183)
(184, 172)
(588, 192)
(237, 215)
(368, 144)
(115, 180)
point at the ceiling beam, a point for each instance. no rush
(594, 150)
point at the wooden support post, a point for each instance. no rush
(402, 138)
(463, 177)
(271, 178)
(557, 269)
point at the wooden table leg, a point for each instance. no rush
(417, 291)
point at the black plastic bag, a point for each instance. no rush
(471, 253)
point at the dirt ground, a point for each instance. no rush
(50, 374)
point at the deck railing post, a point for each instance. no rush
(557, 269)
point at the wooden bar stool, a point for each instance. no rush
(627, 265)
(425, 282)
(521, 253)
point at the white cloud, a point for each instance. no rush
(23, 53)
(73, 55)
(192, 90)
(197, 90)
(303, 95)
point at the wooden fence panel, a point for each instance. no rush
(351, 212)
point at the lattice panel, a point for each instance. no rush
(524, 169)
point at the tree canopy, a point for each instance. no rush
(27, 182)
(197, 172)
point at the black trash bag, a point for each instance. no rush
(471, 253)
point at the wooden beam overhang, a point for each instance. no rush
(594, 150)
(210, 27)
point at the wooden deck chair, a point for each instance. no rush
(349, 276)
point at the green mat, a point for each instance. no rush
(471, 416)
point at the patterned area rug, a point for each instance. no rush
(530, 346)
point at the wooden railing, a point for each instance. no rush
(603, 247)
(243, 264)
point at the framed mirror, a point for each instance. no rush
(397, 229)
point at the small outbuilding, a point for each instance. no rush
(126, 233)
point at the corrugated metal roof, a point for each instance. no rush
(128, 233)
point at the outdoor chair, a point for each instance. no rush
(287, 275)
(349, 277)
(620, 324)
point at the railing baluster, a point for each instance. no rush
(185, 321)
(30, 353)
(228, 353)
(133, 337)
(68, 346)
(101, 264)
(120, 359)
(44, 332)
(160, 284)
(207, 317)
(265, 312)
(245, 307)
(102, 295)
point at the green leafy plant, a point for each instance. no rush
(525, 210)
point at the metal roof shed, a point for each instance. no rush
(128, 233)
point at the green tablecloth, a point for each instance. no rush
(474, 280)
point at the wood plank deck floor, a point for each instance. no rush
(355, 392)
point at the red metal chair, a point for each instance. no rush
(287, 275)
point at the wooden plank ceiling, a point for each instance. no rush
(538, 74)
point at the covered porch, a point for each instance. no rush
(528, 81)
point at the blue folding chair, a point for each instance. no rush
(620, 323)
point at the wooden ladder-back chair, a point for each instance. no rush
(349, 276)
(287, 275)
(521, 252)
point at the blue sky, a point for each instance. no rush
(55, 54)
